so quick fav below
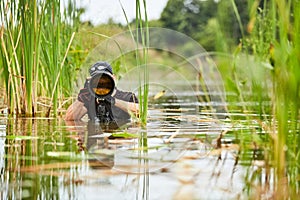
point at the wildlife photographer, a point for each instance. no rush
(101, 100)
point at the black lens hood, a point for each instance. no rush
(95, 80)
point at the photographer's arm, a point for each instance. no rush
(75, 111)
(129, 107)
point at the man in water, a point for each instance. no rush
(117, 106)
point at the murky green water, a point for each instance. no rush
(181, 154)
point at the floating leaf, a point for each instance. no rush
(123, 135)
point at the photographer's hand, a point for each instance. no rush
(110, 99)
(84, 95)
(129, 107)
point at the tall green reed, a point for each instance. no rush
(274, 42)
(142, 34)
(56, 40)
(19, 49)
(287, 93)
(141, 38)
(142, 30)
(35, 40)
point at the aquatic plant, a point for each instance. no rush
(286, 79)
(273, 45)
(142, 30)
(141, 39)
(36, 37)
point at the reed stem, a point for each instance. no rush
(34, 39)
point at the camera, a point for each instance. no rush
(101, 84)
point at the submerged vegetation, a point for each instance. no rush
(43, 48)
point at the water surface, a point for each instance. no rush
(183, 153)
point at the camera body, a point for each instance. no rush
(101, 86)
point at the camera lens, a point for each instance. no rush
(102, 84)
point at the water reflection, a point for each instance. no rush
(2, 160)
(186, 156)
